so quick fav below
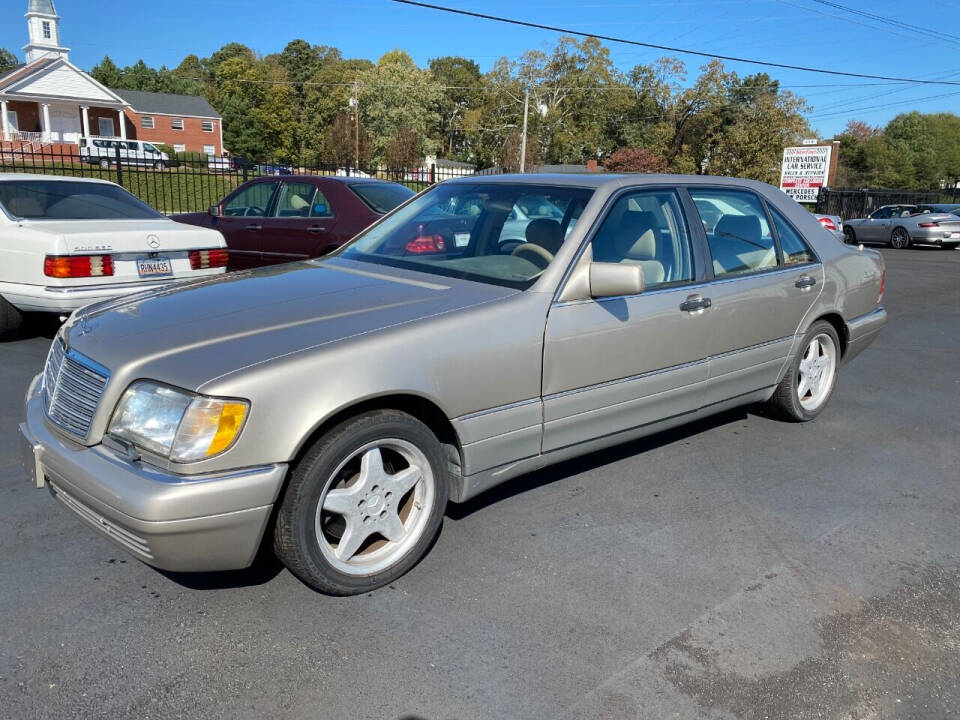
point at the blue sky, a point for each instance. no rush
(801, 32)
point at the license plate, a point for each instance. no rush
(955, 235)
(154, 267)
(30, 458)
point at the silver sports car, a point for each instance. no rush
(332, 407)
(903, 225)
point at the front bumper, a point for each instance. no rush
(173, 522)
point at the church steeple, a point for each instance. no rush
(43, 24)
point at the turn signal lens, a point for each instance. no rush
(209, 427)
(203, 259)
(77, 266)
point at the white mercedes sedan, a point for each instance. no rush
(66, 242)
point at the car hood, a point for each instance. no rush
(189, 333)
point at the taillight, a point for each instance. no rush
(77, 266)
(828, 223)
(426, 244)
(203, 259)
(928, 224)
(883, 282)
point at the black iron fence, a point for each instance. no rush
(850, 203)
(189, 182)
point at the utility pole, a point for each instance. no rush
(356, 123)
(523, 136)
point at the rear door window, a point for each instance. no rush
(295, 200)
(737, 229)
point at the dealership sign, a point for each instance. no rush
(804, 171)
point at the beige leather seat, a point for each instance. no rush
(635, 243)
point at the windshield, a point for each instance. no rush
(382, 197)
(475, 231)
(71, 200)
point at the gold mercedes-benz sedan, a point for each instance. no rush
(485, 328)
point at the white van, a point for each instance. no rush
(103, 152)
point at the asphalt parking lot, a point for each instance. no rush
(739, 567)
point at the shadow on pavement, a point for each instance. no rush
(592, 461)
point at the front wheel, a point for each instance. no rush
(159, 165)
(809, 382)
(900, 239)
(105, 164)
(364, 504)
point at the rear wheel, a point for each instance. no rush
(809, 382)
(10, 318)
(105, 164)
(364, 504)
(849, 236)
(159, 165)
(899, 239)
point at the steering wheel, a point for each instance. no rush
(253, 210)
(537, 250)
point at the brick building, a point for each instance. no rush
(49, 101)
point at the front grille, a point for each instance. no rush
(72, 387)
(133, 543)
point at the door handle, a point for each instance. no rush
(254, 227)
(695, 303)
(316, 229)
(805, 282)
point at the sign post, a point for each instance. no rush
(806, 169)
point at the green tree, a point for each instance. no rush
(396, 94)
(107, 73)
(461, 89)
(7, 60)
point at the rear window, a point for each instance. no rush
(66, 200)
(381, 197)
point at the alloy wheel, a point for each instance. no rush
(899, 239)
(817, 372)
(375, 507)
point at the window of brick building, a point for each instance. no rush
(146, 123)
(176, 123)
(207, 125)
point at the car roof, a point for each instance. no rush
(611, 180)
(343, 179)
(38, 176)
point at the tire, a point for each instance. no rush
(347, 487)
(899, 239)
(10, 319)
(105, 164)
(849, 236)
(787, 399)
(158, 165)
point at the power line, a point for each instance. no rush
(925, 31)
(684, 51)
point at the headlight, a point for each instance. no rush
(177, 424)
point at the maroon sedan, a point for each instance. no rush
(272, 220)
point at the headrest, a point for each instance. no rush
(24, 207)
(742, 227)
(545, 233)
(298, 203)
(636, 236)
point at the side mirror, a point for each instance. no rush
(215, 211)
(614, 279)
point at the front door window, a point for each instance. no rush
(252, 201)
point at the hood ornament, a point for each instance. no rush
(83, 324)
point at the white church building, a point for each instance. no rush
(49, 101)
